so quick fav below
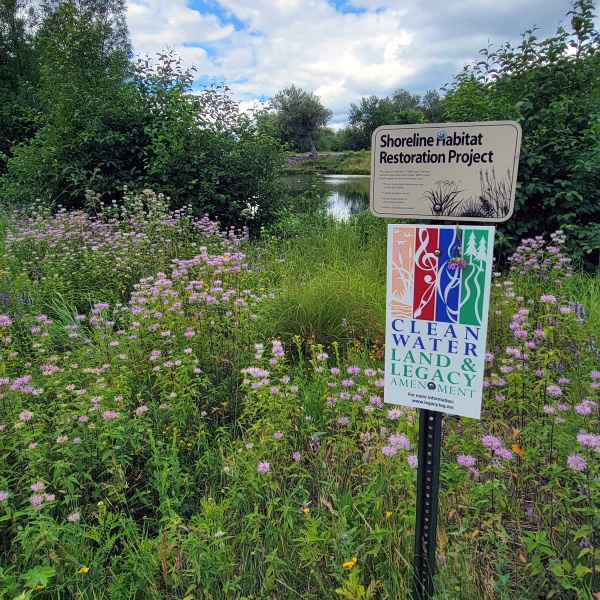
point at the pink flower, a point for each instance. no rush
(263, 467)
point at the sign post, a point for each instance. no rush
(438, 281)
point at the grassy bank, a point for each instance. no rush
(344, 163)
(184, 414)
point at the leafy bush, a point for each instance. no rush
(552, 87)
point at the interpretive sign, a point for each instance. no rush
(438, 284)
(457, 171)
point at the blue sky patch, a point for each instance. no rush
(206, 7)
(344, 7)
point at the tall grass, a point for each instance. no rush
(210, 424)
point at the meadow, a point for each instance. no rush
(191, 413)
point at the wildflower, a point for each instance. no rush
(347, 382)
(26, 415)
(263, 467)
(399, 441)
(548, 298)
(577, 462)
(249, 446)
(38, 486)
(412, 461)
(141, 409)
(61, 439)
(3, 495)
(322, 356)
(344, 420)
(350, 564)
(389, 450)
(517, 450)
(37, 502)
(296, 456)
(394, 413)
(489, 441)
(219, 534)
(456, 263)
(306, 510)
(83, 570)
(278, 435)
(504, 453)
(465, 460)
(107, 415)
(554, 390)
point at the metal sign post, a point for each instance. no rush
(428, 476)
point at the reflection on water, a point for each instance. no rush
(345, 194)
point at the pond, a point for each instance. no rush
(345, 194)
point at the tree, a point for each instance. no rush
(18, 73)
(299, 116)
(552, 87)
(87, 119)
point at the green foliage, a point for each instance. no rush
(299, 115)
(400, 108)
(201, 152)
(552, 87)
(104, 125)
(87, 123)
(18, 73)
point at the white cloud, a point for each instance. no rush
(262, 46)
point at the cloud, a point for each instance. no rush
(340, 49)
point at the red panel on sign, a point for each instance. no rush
(425, 273)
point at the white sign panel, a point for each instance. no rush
(438, 294)
(457, 171)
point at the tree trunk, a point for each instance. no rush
(313, 148)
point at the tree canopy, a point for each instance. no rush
(552, 88)
(299, 115)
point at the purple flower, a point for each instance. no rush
(36, 502)
(400, 441)
(577, 462)
(394, 413)
(322, 356)
(296, 456)
(3, 495)
(141, 409)
(26, 415)
(554, 390)
(503, 453)
(548, 298)
(263, 467)
(38, 486)
(278, 435)
(489, 441)
(5, 321)
(343, 420)
(110, 414)
(73, 517)
(347, 382)
(412, 461)
(389, 450)
(465, 460)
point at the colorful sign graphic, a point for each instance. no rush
(437, 310)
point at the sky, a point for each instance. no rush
(340, 50)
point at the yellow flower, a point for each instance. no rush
(351, 563)
(388, 514)
(39, 587)
(83, 570)
(520, 451)
(306, 510)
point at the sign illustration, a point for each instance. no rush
(437, 311)
(458, 171)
